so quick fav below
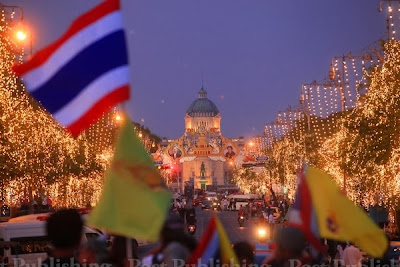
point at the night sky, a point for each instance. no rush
(253, 54)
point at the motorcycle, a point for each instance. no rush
(191, 229)
(241, 220)
(216, 206)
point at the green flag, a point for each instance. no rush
(134, 202)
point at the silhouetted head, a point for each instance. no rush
(64, 228)
(244, 252)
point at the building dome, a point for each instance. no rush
(202, 106)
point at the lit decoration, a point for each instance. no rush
(359, 147)
(250, 181)
(347, 125)
(21, 35)
(372, 142)
(38, 157)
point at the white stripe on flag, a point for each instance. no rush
(211, 250)
(73, 46)
(92, 93)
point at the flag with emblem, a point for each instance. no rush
(322, 210)
(134, 201)
(302, 214)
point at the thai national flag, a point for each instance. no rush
(214, 248)
(83, 74)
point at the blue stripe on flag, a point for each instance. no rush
(97, 59)
(212, 248)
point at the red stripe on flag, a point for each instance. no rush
(305, 203)
(102, 106)
(205, 240)
(83, 21)
(306, 208)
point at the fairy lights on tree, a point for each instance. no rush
(36, 152)
(358, 147)
(37, 156)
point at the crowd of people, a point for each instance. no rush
(175, 246)
(39, 204)
(64, 230)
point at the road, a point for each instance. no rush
(228, 219)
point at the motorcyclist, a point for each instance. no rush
(262, 231)
(191, 216)
(241, 212)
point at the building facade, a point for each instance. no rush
(202, 156)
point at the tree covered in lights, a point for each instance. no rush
(285, 158)
(251, 181)
(373, 130)
(35, 152)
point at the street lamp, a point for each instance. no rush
(21, 35)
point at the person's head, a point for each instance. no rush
(64, 229)
(118, 255)
(244, 252)
(174, 150)
(290, 243)
(230, 149)
(174, 231)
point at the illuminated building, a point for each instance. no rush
(202, 156)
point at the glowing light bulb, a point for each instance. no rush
(21, 35)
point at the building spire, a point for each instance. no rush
(202, 93)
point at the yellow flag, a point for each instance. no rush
(134, 202)
(338, 217)
(226, 252)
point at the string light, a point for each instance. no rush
(38, 156)
(372, 164)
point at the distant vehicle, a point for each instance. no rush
(262, 233)
(191, 229)
(242, 199)
(211, 196)
(216, 205)
(197, 201)
(206, 205)
(241, 220)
